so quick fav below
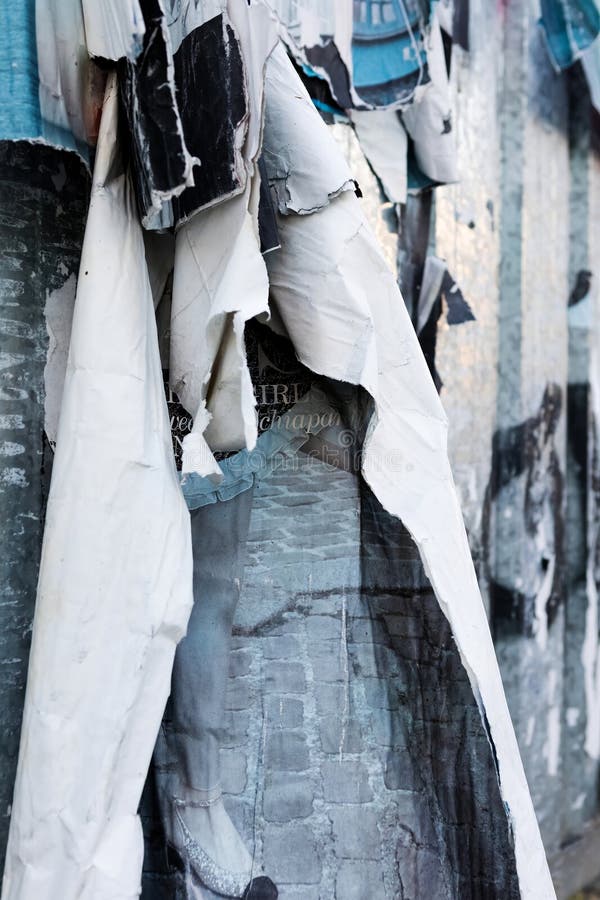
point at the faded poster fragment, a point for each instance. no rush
(51, 90)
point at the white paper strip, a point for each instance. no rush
(115, 585)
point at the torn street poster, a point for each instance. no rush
(260, 663)
(572, 32)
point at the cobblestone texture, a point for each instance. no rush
(354, 758)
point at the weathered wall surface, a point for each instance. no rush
(521, 234)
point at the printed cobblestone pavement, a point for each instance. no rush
(354, 761)
(295, 773)
(316, 769)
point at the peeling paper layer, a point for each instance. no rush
(161, 162)
(321, 173)
(303, 26)
(114, 28)
(220, 282)
(429, 122)
(52, 91)
(71, 87)
(590, 61)
(384, 142)
(117, 563)
(569, 27)
(193, 102)
(371, 57)
(59, 318)
(389, 62)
